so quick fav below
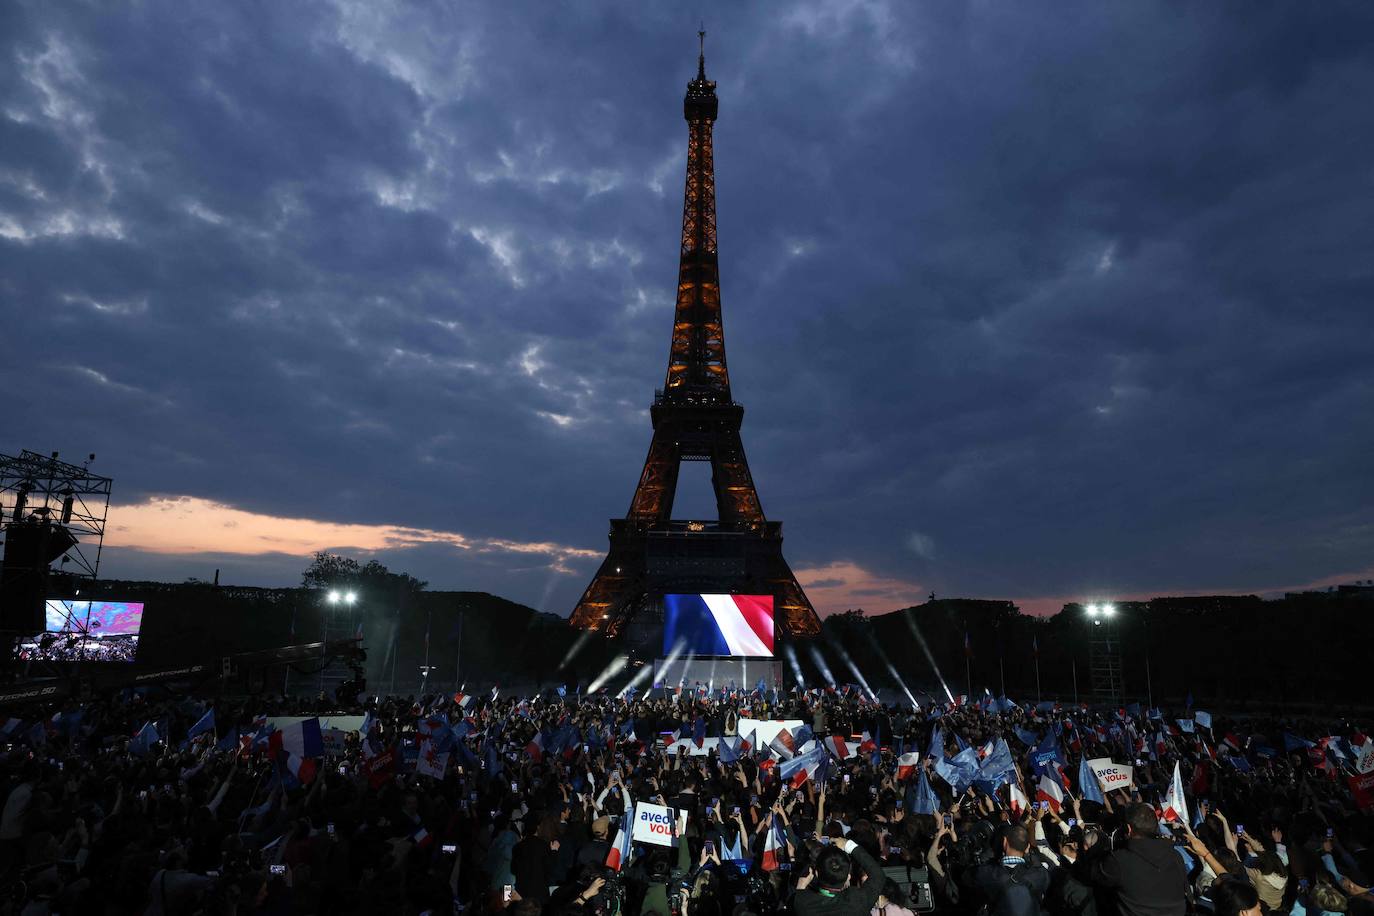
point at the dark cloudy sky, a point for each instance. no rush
(1043, 301)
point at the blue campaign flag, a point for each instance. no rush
(960, 770)
(229, 743)
(1240, 763)
(143, 742)
(921, 798)
(802, 734)
(206, 724)
(996, 768)
(728, 748)
(1025, 736)
(1292, 742)
(959, 740)
(936, 751)
(1185, 726)
(1133, 710)
(1088, 786)
(1046, 754)
(465, 755)
(563, 691)
(491, 758)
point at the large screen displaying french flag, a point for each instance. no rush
(719, 624)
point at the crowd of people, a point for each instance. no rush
(816, 802)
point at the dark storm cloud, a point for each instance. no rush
(1024, 300)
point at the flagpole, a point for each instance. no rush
(1149, 687)
(458, 660)
(429, 621)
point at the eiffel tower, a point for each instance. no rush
(695, 419)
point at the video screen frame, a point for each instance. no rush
(720, 625)
(92, 630)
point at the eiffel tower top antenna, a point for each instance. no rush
(701, 54)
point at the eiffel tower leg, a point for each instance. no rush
(793, 607)
(737, 501)
(617, 582)
(653, 500)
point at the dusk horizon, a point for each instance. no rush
(1042, 308)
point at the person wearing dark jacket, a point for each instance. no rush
(532, 862)
(834, 895)
(1147, 873)
(1013, 886)
(1068, 894)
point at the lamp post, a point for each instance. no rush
(1104, 652)
(336, 599)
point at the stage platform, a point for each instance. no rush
(744, 673)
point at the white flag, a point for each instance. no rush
(1175, 805)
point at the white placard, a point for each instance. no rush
(654, 824)
(766, 729)
(1112, 775)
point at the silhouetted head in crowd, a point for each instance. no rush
(1234, 897)
(833, 868)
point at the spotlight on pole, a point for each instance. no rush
(1092, 610)
(333, 597)
(1108, 610)
(350, 597)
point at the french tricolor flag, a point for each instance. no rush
(299, 739)
(463, 701)
(720, 624)
(838, 746)
(535, 749)
(303, 768)
(867, 745)
(620, 849)
(773, 850)
(1017, 799)
(906, 765)
(783, 745)
(1050, 791)
(422, 838)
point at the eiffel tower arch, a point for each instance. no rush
(695, 419)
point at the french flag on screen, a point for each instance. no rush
(720, 624)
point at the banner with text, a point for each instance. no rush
(1112, 775)
(654, 824)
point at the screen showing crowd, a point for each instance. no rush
(102, 631)
(730, 625)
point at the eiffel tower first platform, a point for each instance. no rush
(694, 419)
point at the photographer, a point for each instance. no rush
(1144, 870)
(1013, 886)
(834, 895)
